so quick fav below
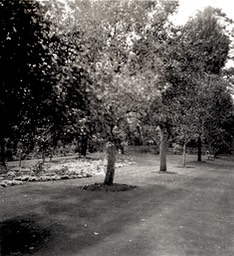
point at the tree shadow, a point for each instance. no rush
(217, 163)
(21, 236)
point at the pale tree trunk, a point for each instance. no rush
(184, 154)
(111, 159)
(163, 149)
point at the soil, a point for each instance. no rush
(189, 211)
(113, 188)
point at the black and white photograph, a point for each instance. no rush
(116, 128)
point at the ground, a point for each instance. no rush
(189, 211)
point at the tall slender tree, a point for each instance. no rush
(208, 47)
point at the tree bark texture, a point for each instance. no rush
(111, 159)
(163, 149)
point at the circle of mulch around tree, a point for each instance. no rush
(184, 167)
(166, 172)
(113, 188)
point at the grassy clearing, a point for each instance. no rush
(187, 212)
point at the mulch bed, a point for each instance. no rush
(113, 188)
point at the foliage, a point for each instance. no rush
(25, 64)
(218, 121)
(207, 52)
(97, 69)
(206, 36)
(176, 62)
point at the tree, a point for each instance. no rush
(206, 37)
(25, 64)
(121, 24)
(71, 100)
(208, 48)
(126, 85)
(218, 122)
(176, 61)
(126, 57)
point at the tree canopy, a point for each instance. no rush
(81, 68)
(25, 62)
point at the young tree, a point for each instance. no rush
(122, 23)
(127, 89)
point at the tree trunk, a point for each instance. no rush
(2, 155)
(184, 154)
(84, 145)
(20, 161)
(3, 168)
(163, 149)
(140, 135)
(43, 157)
(199, 149)
(111, 159)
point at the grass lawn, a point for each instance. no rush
(189, 211)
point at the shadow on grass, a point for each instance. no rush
(21, 236)
(218, 164)
(80, 221)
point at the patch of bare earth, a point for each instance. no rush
(113, 188)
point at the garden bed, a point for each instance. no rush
(65, 169)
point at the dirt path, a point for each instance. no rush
(187, 213)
